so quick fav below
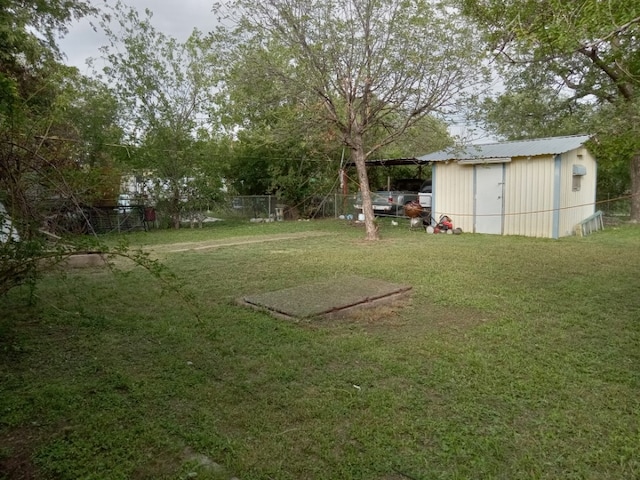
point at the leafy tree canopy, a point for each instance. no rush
(28, 32)
(579, 58)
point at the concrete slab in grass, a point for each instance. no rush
(332, 298)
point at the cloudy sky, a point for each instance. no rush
(177, 18)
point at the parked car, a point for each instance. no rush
(392, 202)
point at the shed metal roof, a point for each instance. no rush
(520, 148)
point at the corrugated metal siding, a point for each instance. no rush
(529, 197)
(453, 194)
(576, 206)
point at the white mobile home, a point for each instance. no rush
(537, 188)
(7, 230)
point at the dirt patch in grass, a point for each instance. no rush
(231, 242)
(394, 318)
(16, 452)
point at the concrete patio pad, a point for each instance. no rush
(332, 298)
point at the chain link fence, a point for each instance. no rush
(267, 208)
(270, 208)
(613, 205)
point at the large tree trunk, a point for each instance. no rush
(367, 207)
(635, 188)
(175, 209)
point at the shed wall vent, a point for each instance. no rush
(579, 170)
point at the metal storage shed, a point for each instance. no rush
(539, 188)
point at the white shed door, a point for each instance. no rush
(488, 200)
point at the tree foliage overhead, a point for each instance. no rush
(590, 46)
(28, 32)
(161, 81)
(30, 27)
(573, 53)
(532, 111)
(369, 68)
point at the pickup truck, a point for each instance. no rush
(392, 202)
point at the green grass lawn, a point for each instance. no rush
(515, 358)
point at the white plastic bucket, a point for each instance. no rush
(361, 217)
